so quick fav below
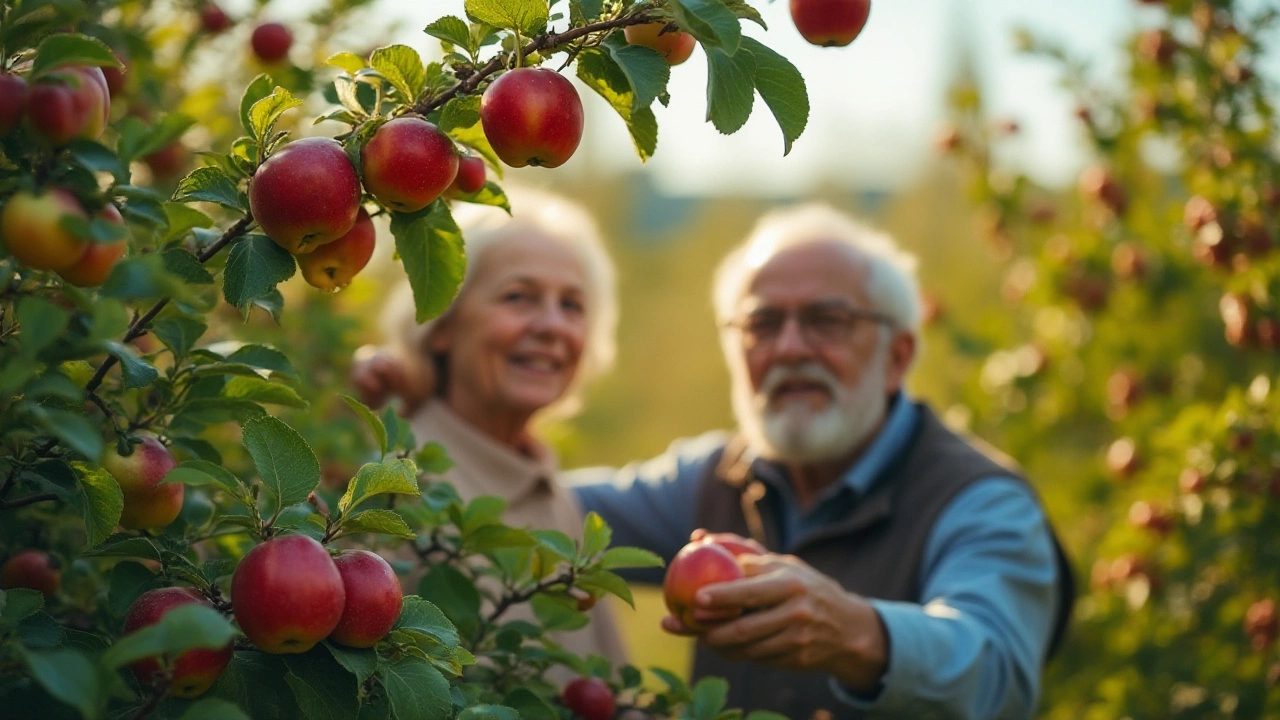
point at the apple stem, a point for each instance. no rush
(138, 327)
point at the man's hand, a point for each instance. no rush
(797, 619)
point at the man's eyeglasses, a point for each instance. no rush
(820, 323)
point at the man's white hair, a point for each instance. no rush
(533, 212)
(891, 285)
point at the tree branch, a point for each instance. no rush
(138, 327)
(541, 43)
(509, 600)
(28, 500)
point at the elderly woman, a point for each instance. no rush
(532, 324)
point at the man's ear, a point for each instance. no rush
(902, 351)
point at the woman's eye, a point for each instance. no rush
(572, 305)
(516, 297)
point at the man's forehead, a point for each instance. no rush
(809, 271)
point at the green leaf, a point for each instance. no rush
(72, 429)
(183, 264)
(489, 712)
(375, 425)
(432, 458)
(40, 631)
(602, 581)
(430, 247)
(261, 87)
(285, 461)
(710, 22)
(453, 593)
(558, 614)
(402, 67)
(254, 268)
(416, 689)
(128, 580)
(261, 390)
(596, 535)
(63, 49)
(646, 71)
(730, 89)
(590, 9)
(391, 422)
(41, 324)
(600, 71)
(460, 120)
(144, 277)
(491, 194)
(452, 30)
(629, 557)
(709, 696)
(557, 542)
(494, 537)
(179, 334)
(398, 476)
(783, 90)
(383, 522)
(266, 112)
(361, 662)
(126, 546)
(69, 676)
(137, 373)
(528, 16)
(213, 709)
(199, 473)
(264, 357)
(103, 501)
(529, 705)
(17, 604)
(419, 614)
(252, 682)
(765, 715)
(181, 629)
(323, 688)
(347, 61)
(210, 184)
(675, 685)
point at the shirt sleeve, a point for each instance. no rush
(649, 504)
(974, 647)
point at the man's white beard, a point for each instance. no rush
(797, 433)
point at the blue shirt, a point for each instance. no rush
(974, 644)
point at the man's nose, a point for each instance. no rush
(792, 343)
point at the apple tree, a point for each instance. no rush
(185, 508)
(1139, 332)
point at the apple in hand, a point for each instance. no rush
(532, 116)
(471, 176)
(193, 672)
(305, 195)
(588, 698)
(331, 266)
(93, 267)
(373, 599)
(271, 42)
(147, 504)
(408, 163)
(33, 570)
(735, 544)
(287, 594)
(830, 23)
(675, 47)
(13, 101)
(698, 564)
(31, 225)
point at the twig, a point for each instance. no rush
(28, 500)
(515, 598)
(138, 327)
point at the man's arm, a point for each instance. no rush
(974, 648)
(649, 504)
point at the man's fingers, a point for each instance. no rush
(766, 590)
(673, 625)
(749, 628)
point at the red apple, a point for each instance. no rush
(471, 176)
(305, 195)
(735, 544)
(287, 594)
(13, 101)
(33, 570)
(373, 599)
(193, 672)
(147, 504)
(93, 267)
(532, 116)
(831, 23)
(332, 265)
(213, 19)
(52, 112)
(698, 564)
(588, 699)
(31, 225)
(675, 46)
(271, 42)
(168, 162)
(408, 163)
(115, 77)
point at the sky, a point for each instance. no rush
(876, 105)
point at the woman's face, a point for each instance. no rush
(516, 336)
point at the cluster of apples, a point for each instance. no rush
(66, 104)
(287, 594)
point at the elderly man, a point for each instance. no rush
(910, 573)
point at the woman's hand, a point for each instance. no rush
(378, 377)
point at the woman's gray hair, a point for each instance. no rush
(532, 212)
(892, 285)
